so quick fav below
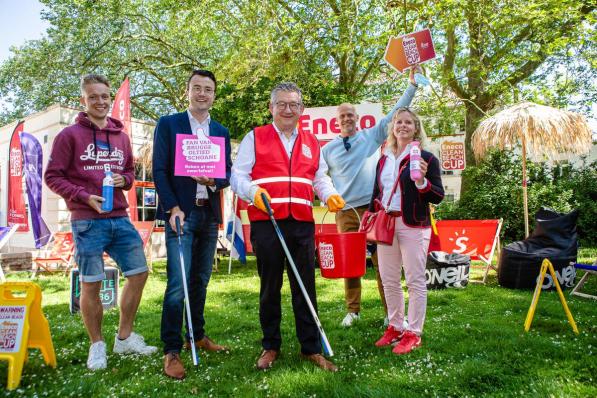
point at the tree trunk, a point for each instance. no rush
(473, 116)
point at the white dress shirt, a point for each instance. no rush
(388, 177)
(241, 182)
(195, 126)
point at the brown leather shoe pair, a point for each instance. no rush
(173, 366)
(267, 359)
(206, 344)
(321, 362)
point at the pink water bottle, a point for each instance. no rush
(415, 161)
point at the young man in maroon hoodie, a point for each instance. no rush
(75, 171)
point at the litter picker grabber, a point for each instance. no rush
(186, 294)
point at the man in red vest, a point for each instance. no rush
(285, 164)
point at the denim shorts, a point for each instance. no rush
(115, 236)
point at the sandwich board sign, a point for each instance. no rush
(108, 290)
(22, 326)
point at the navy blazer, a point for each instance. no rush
(181, 191)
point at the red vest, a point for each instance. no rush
(289, 182)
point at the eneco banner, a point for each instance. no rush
(322, 121)
(452, 155)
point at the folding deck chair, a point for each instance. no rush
(145, 229)
(5, 234)
(589, 270)
(58, 251)
(478, 239)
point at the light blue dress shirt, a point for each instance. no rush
(353, 171)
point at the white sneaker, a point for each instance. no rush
(386, 322)
(350, 318)
(134, 344)
(97, 356)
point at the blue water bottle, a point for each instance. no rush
(107, 189)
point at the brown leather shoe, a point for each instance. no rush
(267, 359)
(206, 344)
(173, 366)
(321, 362)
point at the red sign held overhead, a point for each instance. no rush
(414, 48)
(452, 155)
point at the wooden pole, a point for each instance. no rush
(234, 205)
(524, 188)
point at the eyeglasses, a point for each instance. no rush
(346, 143)
(293, 106)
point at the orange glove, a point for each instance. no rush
(335, 203)
(258, 200)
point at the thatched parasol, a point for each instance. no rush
(542, 131)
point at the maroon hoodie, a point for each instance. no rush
(76, 166)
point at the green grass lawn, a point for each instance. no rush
(474, 345)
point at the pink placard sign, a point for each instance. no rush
(196, 157)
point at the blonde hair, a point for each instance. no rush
(93, 78)
(420, 136)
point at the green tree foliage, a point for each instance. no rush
(491, 47)
(490, 53)
(496, 192)
(582, 181)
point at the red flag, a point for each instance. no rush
(17, 213)
(121, 110)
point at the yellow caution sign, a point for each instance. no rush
(544, 267)
(22, 326)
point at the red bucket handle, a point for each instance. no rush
(328, 210)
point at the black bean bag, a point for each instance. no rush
(554, 238)
(447, 270)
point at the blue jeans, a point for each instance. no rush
(199, 238)
(115, 236)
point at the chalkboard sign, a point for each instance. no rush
(108, 292)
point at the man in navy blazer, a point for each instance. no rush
(196, 202)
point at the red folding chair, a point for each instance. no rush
(145, 229)
(478, 239)
(58, 252)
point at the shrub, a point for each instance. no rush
(582, 182)
(495, 191)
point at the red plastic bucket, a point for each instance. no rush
(341, 255)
